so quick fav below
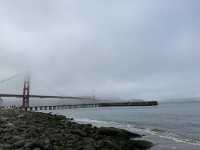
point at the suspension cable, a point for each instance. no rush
(9, 78)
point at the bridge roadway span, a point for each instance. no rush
(43, 96)
(111, 104)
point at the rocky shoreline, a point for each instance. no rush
(21, 130)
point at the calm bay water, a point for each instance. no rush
(178, 122)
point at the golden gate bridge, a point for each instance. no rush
(25, 97)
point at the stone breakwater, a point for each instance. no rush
(21, 130)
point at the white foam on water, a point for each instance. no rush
(133, 128)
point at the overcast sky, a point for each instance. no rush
(115, 48)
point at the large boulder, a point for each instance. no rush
(117, 133)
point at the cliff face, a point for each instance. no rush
(39, 131)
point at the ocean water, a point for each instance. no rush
(169, 125)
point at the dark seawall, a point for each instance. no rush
(143, 103)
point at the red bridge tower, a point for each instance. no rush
(26, 93)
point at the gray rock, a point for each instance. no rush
(6, 146)
(19, 144)
(16, 139)
(40, 131)
(116, 133)
(37, 148)
(79, 132)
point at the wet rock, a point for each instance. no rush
(108, 144)
(79, 132)
(40, 131)
(20, 116)
(16, 138)
(116, 133)
(6, 146)
(34, 143)
(89, 143)
(140, 144)
(37, 148)
(19, 144)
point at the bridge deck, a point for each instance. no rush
(121, 104)
(43, 96)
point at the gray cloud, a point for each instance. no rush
(129, 49)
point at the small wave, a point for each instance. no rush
(135, 128)
(176, 137)
(98, 122)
